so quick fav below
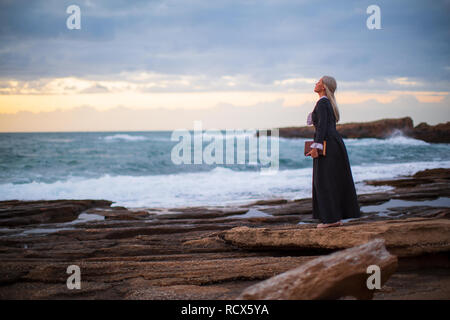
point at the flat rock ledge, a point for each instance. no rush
(337, 275)
(216, 252)
(406, 237)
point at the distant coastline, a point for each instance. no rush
(382, 128)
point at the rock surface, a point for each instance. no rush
(375, 129)
(406, 237)
(20, 213)
(378, 129)
(437, 133)
(181, 253)
(333, 276)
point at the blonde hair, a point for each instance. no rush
(330, 87)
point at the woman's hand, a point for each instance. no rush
(313, 153)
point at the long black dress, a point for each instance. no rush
(334, 195)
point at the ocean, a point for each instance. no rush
(134, 169)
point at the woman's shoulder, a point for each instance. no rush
(324, 101)
(321, 103)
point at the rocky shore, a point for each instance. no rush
(228, 252)
(381, 129)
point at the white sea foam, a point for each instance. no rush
(126, 137)
(394, 140)
(219, 186)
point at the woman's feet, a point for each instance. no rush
(327, 225)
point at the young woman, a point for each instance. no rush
(333, 190)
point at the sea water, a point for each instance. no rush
(134, 169)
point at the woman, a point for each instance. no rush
(333, 193)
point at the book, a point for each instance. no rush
(308, 148)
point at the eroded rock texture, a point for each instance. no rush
(217, 252)
(333, 276)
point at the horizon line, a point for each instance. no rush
(221, 129)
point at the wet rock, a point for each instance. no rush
(266, 202)
(428, 176)
(437, 173)
(290, 208)
(15, 213)
(200, 213)
(120, 213)
(436, 133)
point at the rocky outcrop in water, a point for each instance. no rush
(437, 133)
(378, 129)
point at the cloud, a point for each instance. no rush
(196, 54)
(151, 82)
(265, 40)
(98, 88)
(222, 116)
(405, 81)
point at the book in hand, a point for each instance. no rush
(321, 152)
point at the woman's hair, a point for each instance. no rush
(330, 88)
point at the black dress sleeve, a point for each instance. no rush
(322, 121)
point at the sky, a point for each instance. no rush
(160, 65)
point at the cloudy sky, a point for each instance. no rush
(160, 65)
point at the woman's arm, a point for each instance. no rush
(321, 129)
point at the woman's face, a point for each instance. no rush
(319, 86)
